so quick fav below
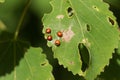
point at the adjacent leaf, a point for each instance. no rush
(33, 66)
(11, 52)
(82, 21)
(12, 48)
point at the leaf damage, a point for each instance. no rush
(60, 16)
(68, 34)
(86, 42)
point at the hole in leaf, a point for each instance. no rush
(43, 64)
(70, 11)
(95, 8)
(88, 27)
(85, 57)
(111, 21)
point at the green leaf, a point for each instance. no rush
(33, 66)
(11, 52)
(82, 21)
(12, 47)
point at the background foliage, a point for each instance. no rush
(89, 47)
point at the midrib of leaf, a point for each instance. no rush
(77, 19)
(14, 54)
(21, 19)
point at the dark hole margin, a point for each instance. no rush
(111, 21)
(85, 56)
(70, 11)
(43, 64)
(88, 27)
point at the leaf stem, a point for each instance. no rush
(21, 19)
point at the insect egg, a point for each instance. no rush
(49, 38)
(48, 30)
(59, 34)
(57, 43)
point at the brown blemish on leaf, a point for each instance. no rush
(71, 63)
(60, 16)
(67, 35)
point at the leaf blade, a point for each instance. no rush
(92, 24)
(33, 67)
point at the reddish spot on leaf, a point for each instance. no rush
(57, 42)
(48, 30)
(59, 34)
(49, 38)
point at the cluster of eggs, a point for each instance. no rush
(49, 37)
